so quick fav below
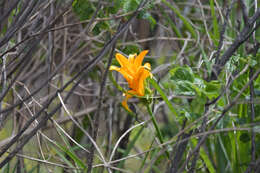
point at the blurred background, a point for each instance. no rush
(60, 107)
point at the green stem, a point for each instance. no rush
(186, 22)
(159, 134)
(112, 79)
(164, 97)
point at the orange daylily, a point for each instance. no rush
(134, 72)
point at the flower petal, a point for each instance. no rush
(139, 78)
(126, 75)
(112, 67)
(144, 75)
(123, 61)
(135, 74)
(125, 64)
(147, 66)
(128, 95)
(124, 102)
(131, 58)
(139, 59)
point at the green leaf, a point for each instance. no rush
(6, 168)
(62, 157)
(190, 115)
(184, 88)
(130, 5)
(83, 8)
(69, 150)
(185, 82)
(215, 23)
(212, 89)
(231, 65)
(205, 157)
(161, 92)
(186, 22)
(182, 74)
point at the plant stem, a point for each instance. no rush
(159, 134)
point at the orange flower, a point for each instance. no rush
(134, 73)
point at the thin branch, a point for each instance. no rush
(100, 100)
(19, 21)
(45, 118)
(8, 11)
(244, 12)
(252, 110)
(46, 81)
(240, 39)
(225, 110)
(222, 32)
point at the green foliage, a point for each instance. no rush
(182, 74)
(182, 80)
(176, 99)
(223, 150)
(215, 35)
(185, 82)
(67, 150)
(130, 5)
(186, 21)
(6, 168)
(212, 89)
(130, 49)
(135, 135)
(160, 90)
(83, 8)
